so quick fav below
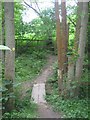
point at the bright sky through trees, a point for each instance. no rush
(29, 14)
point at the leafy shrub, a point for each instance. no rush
(70, 108)
(24, 108)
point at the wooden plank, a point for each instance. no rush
(38, 93)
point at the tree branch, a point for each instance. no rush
(71, 21)
(41, 15)
(32, 8)
(37, 6)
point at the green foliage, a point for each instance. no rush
(41, 28)
(18, 10)
(72, 11)
(25, 113)
(24, 108)
(70, 108)
(29, 65)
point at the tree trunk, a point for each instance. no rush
(3, 36)
(0, 59)
(0, 88)
(65, 33)
(0, 27)
(10, 55)
(59, 48)
(70, 78)
(82, 43)
(78, 25)
(71, 63)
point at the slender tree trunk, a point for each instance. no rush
(10, 55)
(82, 43)
(78, 25)
(0, 27)
(0, 59)
(59, 48)
(3, 35)
(0, 91)
(70, 78)
(71, 63)
(65, 33)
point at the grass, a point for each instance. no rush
(28, 66)
(70, 108)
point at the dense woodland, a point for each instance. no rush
(62, 31)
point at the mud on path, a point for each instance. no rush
(44, 110)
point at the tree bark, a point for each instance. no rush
(78, 25)
(0, 27)
(82, 43)
(71, 63)
(3, 35)
(10, 55)
(70, 77)
(59, 48)
(65, 34)
(0, 59)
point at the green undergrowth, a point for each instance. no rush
(24, 107)
(26, 112)
(70, 108)
(29, 65)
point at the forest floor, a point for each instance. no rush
(44, 109)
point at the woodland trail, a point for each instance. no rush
(38, 91)
(42, 77)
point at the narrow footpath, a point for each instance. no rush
(38, 91)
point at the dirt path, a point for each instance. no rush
(45, 73)
(44, 110)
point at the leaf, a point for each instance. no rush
(2, 47)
